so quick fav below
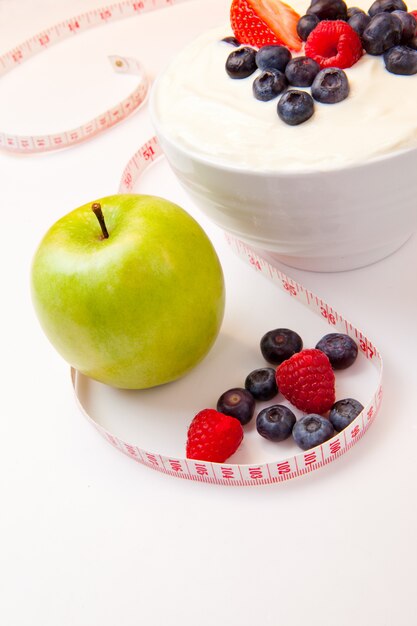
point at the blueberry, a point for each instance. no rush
(275, 422)
(238, 403)
(354, 11)
(412, 43)
(386, 6)
(295, 107)
(305, 25)
(330, 86)
(232, 41)
(328, 10)
(408, 25)
(280, 344)
(241, 63)
(312, 430)
(340, 349)
(343, 412)
(261, 383)
(273, 56)
(269, 84)
(301, 71)
(382, 32)
(359, 22)
(401, 60)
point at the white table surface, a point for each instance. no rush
(89, 537)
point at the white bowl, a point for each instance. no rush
(314, 220)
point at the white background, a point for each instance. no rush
(89, 537)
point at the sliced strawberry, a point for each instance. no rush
(248, 27)
(264, 22)
(281, 19)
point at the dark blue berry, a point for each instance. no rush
(301, 71)
(408, 25)
(330, 86)
(238, 403)
(295, 107)
(269, 84)
(359, 22)
(275, 422)
(340, 349)
(386, 6)
(273, 56)
(343, 412)
(241, 63)
(382, 32)
(412, 43)
(280, 344)
(305, 25)
(312, 430)
(232, 41)
(401, 60)
(328, 10)
(354, 11)
(261, 383)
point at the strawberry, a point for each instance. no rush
(213, 436)
(265, 22)
(307, 381)
(333, 43)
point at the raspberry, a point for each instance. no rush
(213, 436)
(333, 43)
(265, 22)
(307, 381)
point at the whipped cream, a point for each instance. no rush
(198, 106)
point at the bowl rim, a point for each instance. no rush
(237, 168)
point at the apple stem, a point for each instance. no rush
(96, 207)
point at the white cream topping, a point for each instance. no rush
(199, 107)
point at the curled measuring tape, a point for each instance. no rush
(225, 473)
(69, 28)
(261, 473)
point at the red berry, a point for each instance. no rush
(333, 43)
(213, 436)
(307, 381)
(414, 13)
(265, 22)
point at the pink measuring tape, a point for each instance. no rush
(226, 473)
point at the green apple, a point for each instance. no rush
(129, 290)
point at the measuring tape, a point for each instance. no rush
(69, 28)
(263, 473)
(220, 473)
